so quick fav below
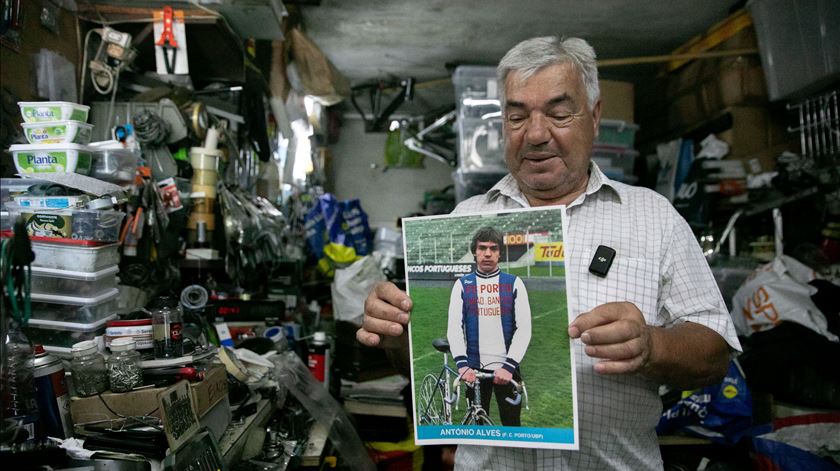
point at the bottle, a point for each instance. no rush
(166, 328)
(319, 358)
(17, 382)
(52, 396)
(88, 365)
(124, 371)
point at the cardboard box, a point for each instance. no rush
(617, 100)
(757, 133)
(204, 394)
(701, 89)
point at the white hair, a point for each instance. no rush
(531, 55)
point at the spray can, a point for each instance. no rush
(319, 358)
(52, 396)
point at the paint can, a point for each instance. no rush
(52, 396)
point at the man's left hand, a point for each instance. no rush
(617, 334)
(502, 376)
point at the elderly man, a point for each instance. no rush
(656, 317)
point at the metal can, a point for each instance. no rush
(52, 396)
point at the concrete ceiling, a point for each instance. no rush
(379, 40)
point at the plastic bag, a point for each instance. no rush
(351, 286)
(722, 413)
(804, 442)
(317, 74)
(337, 233)
(776, 292)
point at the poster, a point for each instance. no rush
(490, 305)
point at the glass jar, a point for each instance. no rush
(124, 371)
(166, 328)
(88, 365)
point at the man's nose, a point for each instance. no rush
(536, 132)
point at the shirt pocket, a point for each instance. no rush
(630, 279)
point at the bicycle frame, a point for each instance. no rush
(449, 391)
(444, 381)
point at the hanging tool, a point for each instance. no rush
(167, 40)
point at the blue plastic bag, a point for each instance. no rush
(337, 232)
(722, 413)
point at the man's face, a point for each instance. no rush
(487, 256)
(549, 132)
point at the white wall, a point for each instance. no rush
(385, 196)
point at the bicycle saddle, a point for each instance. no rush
(441, 345)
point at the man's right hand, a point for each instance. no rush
(386, 312)
(467, 374)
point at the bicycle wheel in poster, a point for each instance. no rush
(432, 407)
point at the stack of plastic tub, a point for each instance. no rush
(481, 160)
(613, 150)
(74, 293)
(58, 135)
(74, 237)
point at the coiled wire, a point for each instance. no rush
(150, 128)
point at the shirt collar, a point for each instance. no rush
(508, 187)
(487, 275)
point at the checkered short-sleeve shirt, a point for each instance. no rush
(660, 268)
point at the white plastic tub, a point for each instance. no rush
(76, 258)
(61, 158)
(41, 111)
(92, 225)
(53, 282)
(58, 132)
(57, 308)
(114, 165)
(60, 335)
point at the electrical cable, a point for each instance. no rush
(150, 128)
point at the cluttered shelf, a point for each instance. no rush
(236, 436)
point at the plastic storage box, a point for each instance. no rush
(471, 184)
(40, 111)
(50, 281)
(76, 224)
(114, 165)
(480, 147)
(11, 187)
(58, 132)
(52, 202)
(58, 336)
(799, 46)
(7, 223)
(475, 81)
(616, 163)
(82, 310)
(613, 132)
(76, 258)
(61, 158)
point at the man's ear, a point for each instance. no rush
(596, 117)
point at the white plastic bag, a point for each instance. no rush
(776, 292)
(351, 286)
